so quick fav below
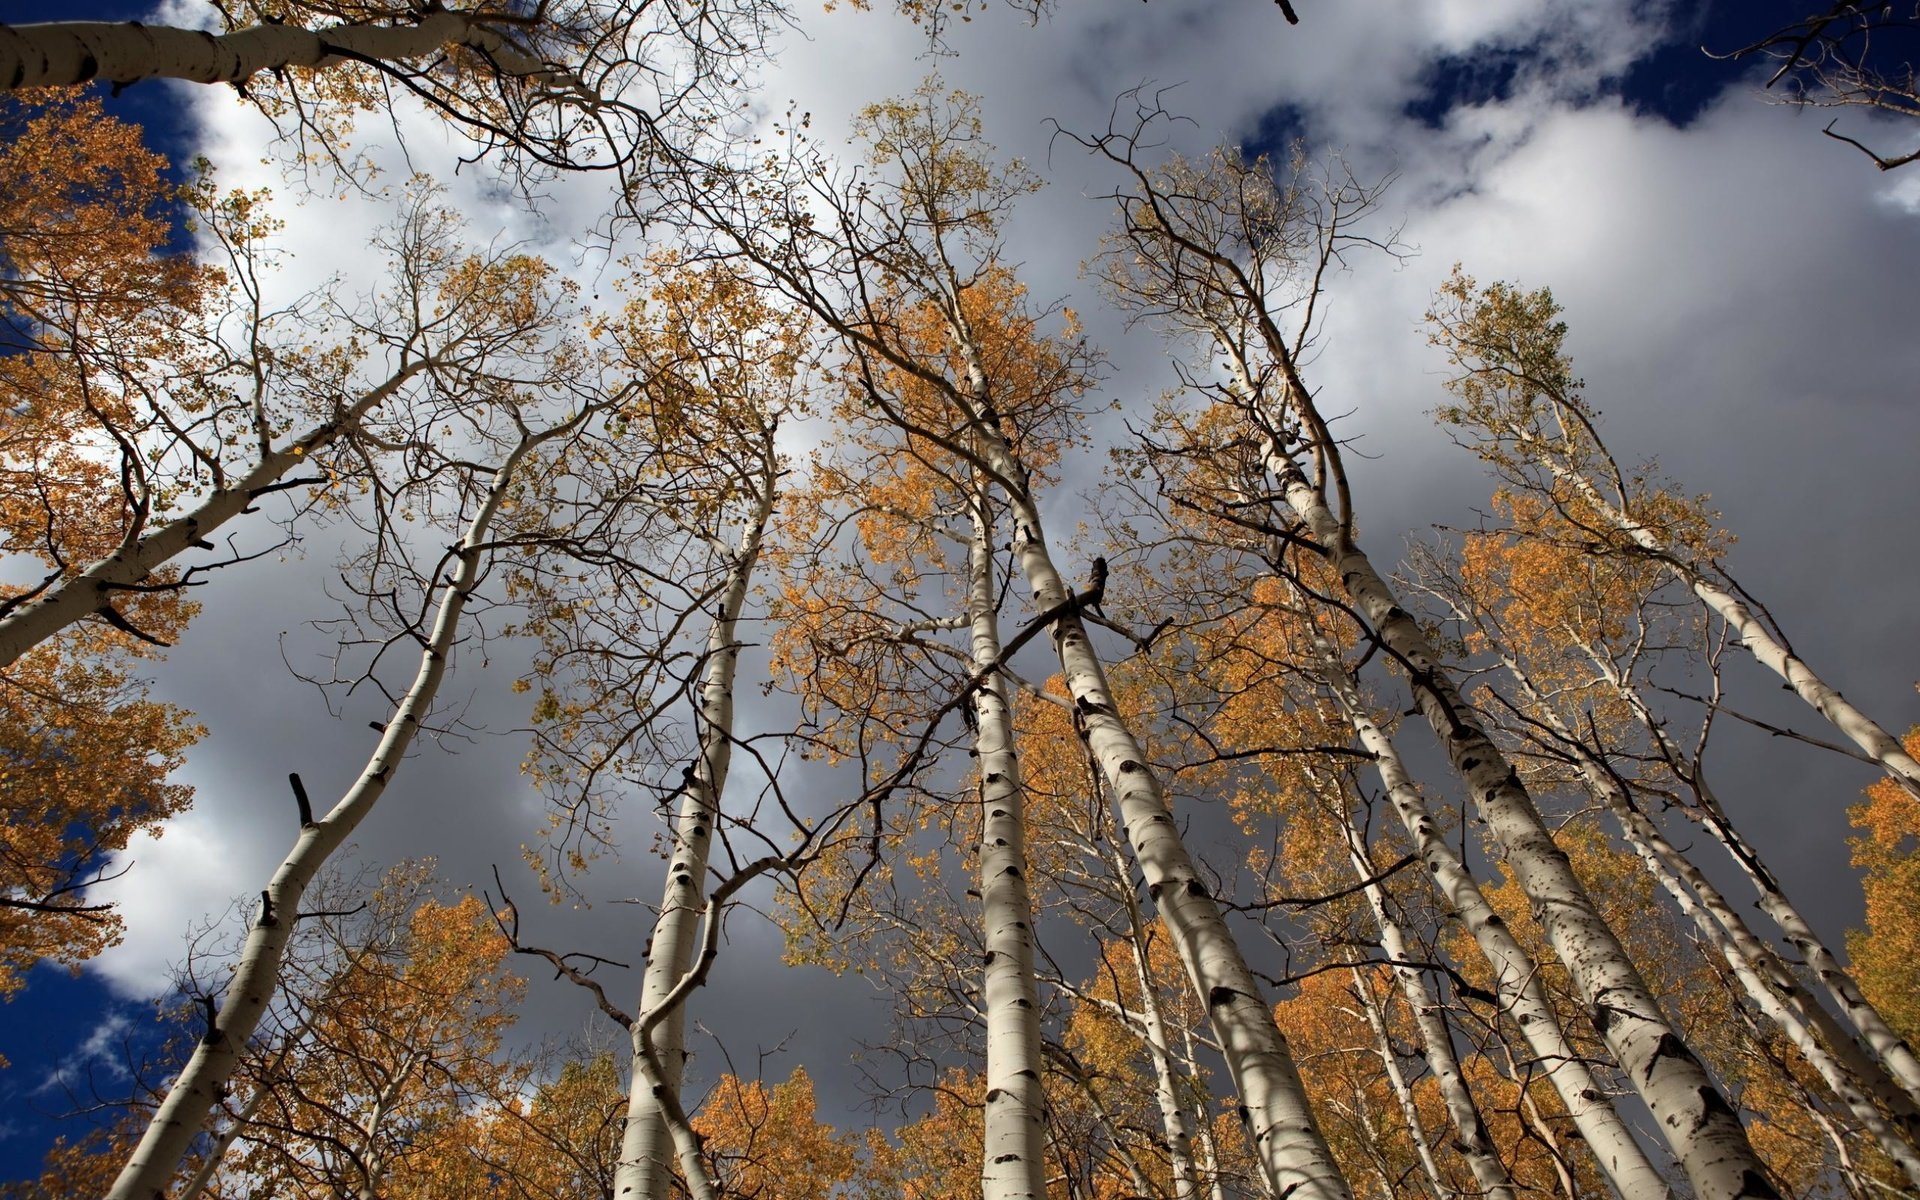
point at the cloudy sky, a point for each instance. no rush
(1739, 292)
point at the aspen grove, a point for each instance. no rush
(975, 737)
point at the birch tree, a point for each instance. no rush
(261, 396)
(1521, 409)
(403, 1036)
(1292, 693)
(1217, 250)
(442, 589)
(577, 85)
(927, 229)
(1608, 624)
(690, 461)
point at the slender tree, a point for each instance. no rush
(454, 576)
(1206, 246)
(1521, 408)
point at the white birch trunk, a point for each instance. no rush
(1293, 1155)
(183, 1114)
(1839, 1060)
(224, 1140)
(1013, 1165)
(82, 595)
(1473, 1141)
(222, 1143)
(1694, 1118)
(1892, 1050)
(1207, 1159)
(1516, 975)
(65, 53)
(648, 1143)
(1841, 1067)
(1375, 1012)
(1753, 633)
(1153, 1026)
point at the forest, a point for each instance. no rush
(579, 624)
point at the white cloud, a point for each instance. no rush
(167, 886)
(99, 1053)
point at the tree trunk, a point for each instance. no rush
(1892, 1050)
(183, 1114)
(1287, 1143)
(80, 596)
(1838, 1059)
(647, 1144)
(1516, 976)
(1474, 1142)
(66, 53)
(1166, 1092)
(1376, 1015)
(1694, 1117)
(1013, 1165)
(1754, 634)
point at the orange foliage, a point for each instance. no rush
(1886, 954)
(767, 1143)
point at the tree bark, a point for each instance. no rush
(1013, 1165)
(1753, 633)
(1839, 1060)
(1693, 1115)
(648, 1145)
(1474, 1142)
(1375, 1012)
(1153, 1029)
(183, 1114)
(1287, 1142)
(1516, 976)
(1888, 1046)
(90, 591)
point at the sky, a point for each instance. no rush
(1739, 295)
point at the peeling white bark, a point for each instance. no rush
(64, 53)
(184, 1112)
(648, 1143)
(86, 593)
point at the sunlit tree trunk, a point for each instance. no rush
(1523, 404)
(1516, 976)
(1853, 1077)
(1281, 1129)
(1759, 639)
(1693, 1116)
(1374, 1010)
(1473, 1141)
(1014, 1165)
(1153, 1031)
(1888, 1046)
(183, 1114)
(648, 1145)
